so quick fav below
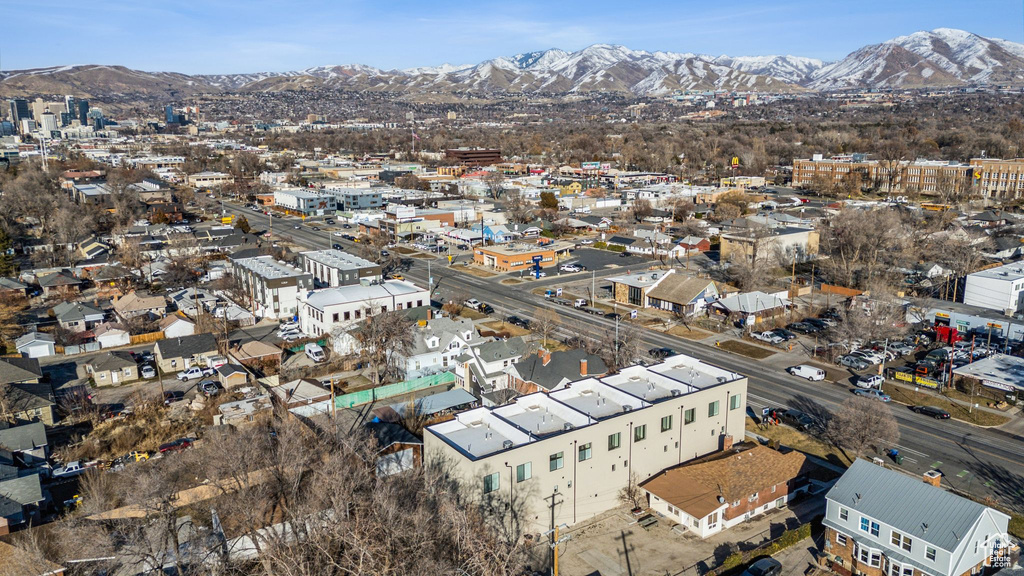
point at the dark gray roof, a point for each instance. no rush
(622, 240)
(429, 405)
(75, 311)
(388, 433)
(500, 349)
(112, 361)
(11, 284)
(24, 490)
(14, 370)
(61, 278)
(187, 346)
(229, 369)
(906, 503)
(9, 508)
(22, 397)
(24, 437)
(562, 366)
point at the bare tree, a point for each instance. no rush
(631, 494)
(861, 423)
(517, 206)
(545, 322)
(642, 209)
(385, 339)
(495, 182)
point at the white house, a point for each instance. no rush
(175, 326)
(111, 335)
(321, 311)
(436, 344)
(483, 367)
(35, 345)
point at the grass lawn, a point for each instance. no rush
(905, 395)
(500, 326)
(799, 441)
(478, 272)
(688, 333)
(744, 349)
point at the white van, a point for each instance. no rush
(811, 373)
(315, 352)
(579, 303)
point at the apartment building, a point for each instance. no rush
(209, 179)
(352, 199)
(564, 456)
(925, 176)
(273, 286)
(333, 268)
(1001, 179)
(880, 522)
(1000, 288)
(320, 311)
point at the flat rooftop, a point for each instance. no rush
(1007, 272)
(338, 259)
(485, 431)
(319, 299)
(997, 371)
(267, 267)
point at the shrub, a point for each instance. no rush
(601, 245)
(731, 561)
(617, 248)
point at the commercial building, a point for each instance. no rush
(880, 522)
(305, 202)
(209, 179)
(406, 222)
(352, 199)
(273, 286)
(786, 244)
(320, 311)
(564, 456)
(473, 156)
(18, 109)
(519, 255)
(999, 288)
(335, 268)
(857, 172)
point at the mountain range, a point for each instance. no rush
(943, 57)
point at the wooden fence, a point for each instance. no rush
(147, 338)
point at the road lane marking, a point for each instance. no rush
(936, 464)
(963, 474)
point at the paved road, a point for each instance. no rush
(975, 460)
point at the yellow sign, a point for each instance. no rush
(927, 382)
(941, 315)
(735, 161)
(994, 325)
(905, 376)
(450, 258)
(227, 219)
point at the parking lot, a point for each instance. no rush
(593, 259)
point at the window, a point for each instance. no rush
(491, 482)
(840, 539)
(524, 472)
(614, 440)
(585, 452)
(752, 497)
(901, 541)
(870, 557)
(335, 317)
(556, 461)
(929, 553)
(639, 433)
(844, 514)
(690, 416)
(713, 409)
(666, 423)
(713, 520)
(348, 316)
(358, 314)
(869, 526)
(734, 401)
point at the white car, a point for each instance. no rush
(769, 337)
(874, 381)
(147, 372)
(473, 303)
(586, 241)
(569, 268)
(338, 233)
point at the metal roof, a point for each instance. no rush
(907, 504)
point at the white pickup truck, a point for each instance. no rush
(71, 469)
(195, 372)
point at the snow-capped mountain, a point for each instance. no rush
(941, 57)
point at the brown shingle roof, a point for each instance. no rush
(679, 290)
(695, 488)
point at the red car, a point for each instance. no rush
(177, 445)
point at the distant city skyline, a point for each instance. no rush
(230, 36)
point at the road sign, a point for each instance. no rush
(632, 314)
(558, 292)
(537, 259)
(764, 411)
(450, 258)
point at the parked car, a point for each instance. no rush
(868, 356)
(586, 241)
(764, 567)
(337, 246)
(934, 412)
(144, 356)
(209, 387)
(797, 419)
(473, 303)
(661, 353)
(172, 396)
(800, 328)
(853, 362)
(784, 334)
(812, 373)
(613, 316)
(579, 303)
(147, 372)
(195, 372)
(176, 445)
(517, 321)
(873, 381)
(486, 308)
(570, 268)
(561, 301)
(902, 348)
(816, 322)
(769, 337)
(70, 469)
(623, 254)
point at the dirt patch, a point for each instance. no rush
(688, 333)
(423, 256)
(510, 329)
(800, 441)
(956, 410)
(744, 349)
(478, 272)
(472, 314)
(511, 281)
(404, 250)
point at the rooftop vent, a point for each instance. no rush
(677, 392)
(567, 426)
(627, 408)
(506, 444)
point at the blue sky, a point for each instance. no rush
(223, 36)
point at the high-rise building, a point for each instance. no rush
(19, 110)
(48, 123)
(83, 112)
(69, 105)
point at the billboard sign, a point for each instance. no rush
(590, 165)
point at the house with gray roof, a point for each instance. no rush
(26, 442)
(36, 345)
(26, 492)
(112, 368)
(77, 316)
(437, 342)
(13, 287)
(750, 307)
(483, 368)
(880, 521)
(549, 371)
(27, 400)
(177, 354)
(60, 282)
